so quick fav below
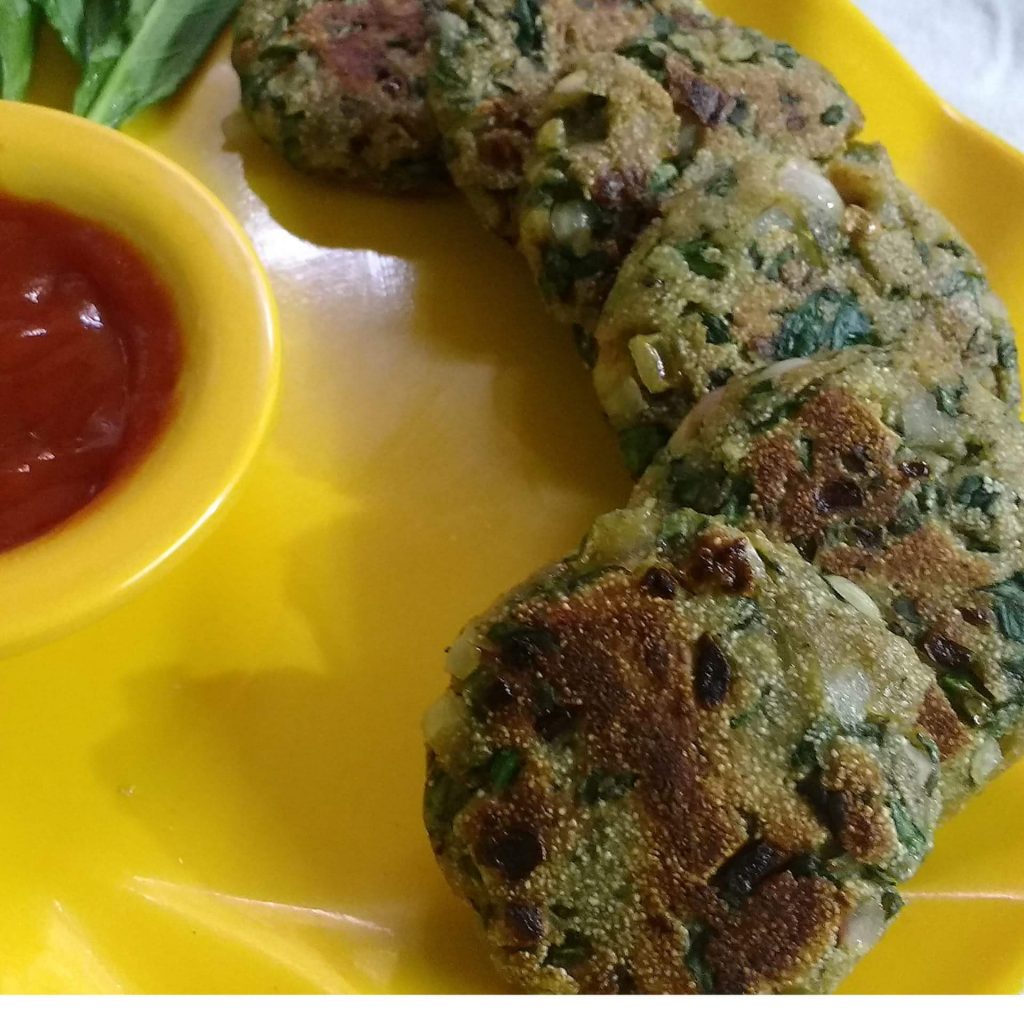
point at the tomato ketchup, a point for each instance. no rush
(90, 359)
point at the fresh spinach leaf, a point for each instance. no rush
(826, 322)
(696, 958)
(574, 949)
(912, 838)
(1008, 603)
(640, 444)
(169, 40)
(504, 769)
(67, 18)
(529, 27)
(833, 116)
(948, 398)
(699, 260)
(17, 47)
(107, 29)
(716, 328)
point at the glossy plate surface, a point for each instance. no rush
(217, 787)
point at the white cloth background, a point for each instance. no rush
(970, 51)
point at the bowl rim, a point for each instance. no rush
(92, 561)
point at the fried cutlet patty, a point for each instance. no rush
(339, 87)
(498, 60)
(495, 63)
(903, 482)
(764, 258)
(619, 134)
(678, 762)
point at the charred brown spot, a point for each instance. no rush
(614, 188)
(627, 663)
(946, 653)
(712, 673)
(941, 722)
(506, 136)
(805, 500)
(525, 924)
(552, 723)
(498, 694)
(720, 563)
(785, 928)
(863, 827)
(915, 470)
(524, 648)
(854, 784)
(839, 496)
(975, 616)
(659, 582)
(855, 460)
(744, 871)
(515, 852)
(696, 96)
(934, 571)
(357, 42)
(625, 983)
(502, 149)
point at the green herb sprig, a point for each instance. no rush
(132, 53)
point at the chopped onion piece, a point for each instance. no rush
(650, 367)
(781, 368)
(694, 420)
(574, 84)
(619, 535)
(847, 691)
(920, 764)
(864, 927)
(805, 183)
(924, 423)
(853, 595)
(986, 761)
(772, 218)
(444, 718)
(551, 134)
(464, 654)
(570, 224)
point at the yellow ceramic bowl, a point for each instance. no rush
(228, 383)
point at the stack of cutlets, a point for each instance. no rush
(701, 753)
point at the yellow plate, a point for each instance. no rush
(217, 787)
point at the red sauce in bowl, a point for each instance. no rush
(90, 357)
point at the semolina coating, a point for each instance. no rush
(678, 762)
(902, 481)
(496, 63)
(338, 87)
(614, 147)
(764, 258)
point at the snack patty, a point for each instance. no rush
(608, 154)
(765, 258)
(903, 482)
(495, 63)
(339, 87)
(678, 762)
